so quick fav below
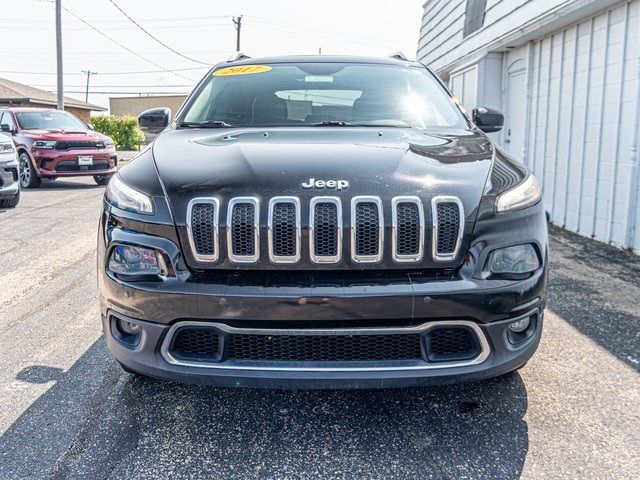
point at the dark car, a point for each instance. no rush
(52, 144)
(322, 222)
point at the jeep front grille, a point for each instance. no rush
(243, 233)
(447, 227)
(284, 229)
(408, 229)
(325, 229)
(367, 229)
(202, 221)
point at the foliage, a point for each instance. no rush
(123, 130)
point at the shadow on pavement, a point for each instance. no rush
(585, 283)
(98, 422)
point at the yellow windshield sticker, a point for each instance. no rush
(241, 70)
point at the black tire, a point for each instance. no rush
(10, 202)
(102, 179)
(28, 175)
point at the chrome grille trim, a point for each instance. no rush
(354, 219)
(312, 224)
(256, 230)
(405, 258)
(485, 349)
(216, 220)
(449, 256)
(298, 235)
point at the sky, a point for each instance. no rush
(97, 36)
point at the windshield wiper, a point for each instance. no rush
(333, 123)
(206, 124)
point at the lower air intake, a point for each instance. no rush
(451, 343)
(196, 343)
(329, 348)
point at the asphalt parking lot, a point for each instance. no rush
(68, 411)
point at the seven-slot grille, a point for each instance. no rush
(325, 229)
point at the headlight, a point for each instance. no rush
(6, 147)
(523, 195)
(108, 143)
(132, 260)
(517, 259)
(121, 195)
(44, 144)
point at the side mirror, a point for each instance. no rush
(154, 120)
(5, 128)
(487, 119)
(90, 126)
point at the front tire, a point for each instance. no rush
(28, 175)
(102, 179)
(10, 202)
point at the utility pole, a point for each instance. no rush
(89, 73)
(60, 103)
(237, 21)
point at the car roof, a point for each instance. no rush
(322, 59)
(28, 109)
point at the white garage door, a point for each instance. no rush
(583, 125)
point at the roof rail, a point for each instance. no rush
(237, 56)
(399, 56)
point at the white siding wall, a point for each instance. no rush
(441, 41)
(583, 127)
(582, 99)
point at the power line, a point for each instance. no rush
(140, 72)
(124, 46)
(153, 37)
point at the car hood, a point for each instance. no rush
(390, 162)
(60, 135)
(229, 163)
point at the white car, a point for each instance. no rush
(9, 174)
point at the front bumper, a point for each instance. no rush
(51, 163)
(489, 305)
(9, 186)
(280, 302)
(148, 358)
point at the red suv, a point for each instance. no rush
(52, 143)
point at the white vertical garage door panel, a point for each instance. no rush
(582, 122)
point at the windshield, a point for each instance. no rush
(51, 120)
(322, 94)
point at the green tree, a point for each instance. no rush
(123, 130)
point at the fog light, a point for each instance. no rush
(132, 260)
(128, 328)
(521, 325)
(517, 259)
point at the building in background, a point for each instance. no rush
(566, 75)
(14, 94)
(136, 105)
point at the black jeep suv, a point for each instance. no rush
(322, 222)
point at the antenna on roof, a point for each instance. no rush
(398, 56)
(237, 56)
